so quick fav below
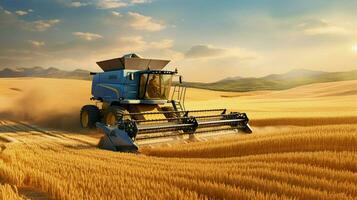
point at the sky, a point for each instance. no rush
(206, 40)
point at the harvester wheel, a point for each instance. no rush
(113, 114)
(89, 115)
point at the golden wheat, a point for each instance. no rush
(8, 192)
(298, 139)
(314, 157)
(305, 163)
(300, 121)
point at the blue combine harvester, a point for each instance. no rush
(137, 99)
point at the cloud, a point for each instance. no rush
(21, 12)
(333, 30)
(212, 52)
(43, 25)
(138, 44)
(145, 23)
(14, 22)
(140, 1)
(36, 43)
(133, 43)
(163, 44)
(109, 4)
(87, 36)
(169, 54)
(9, 20)
(116, 14)
(159, 49)
(315, 27)
(199, 51)
(77, 4)
(7, 12)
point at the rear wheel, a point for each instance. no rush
(113, 114)
(89, 115)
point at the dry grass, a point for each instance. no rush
(314, 159)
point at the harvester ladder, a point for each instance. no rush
(177, 105)
(178, 97)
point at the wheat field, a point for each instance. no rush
(305, 155)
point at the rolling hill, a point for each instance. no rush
(275, 81)
(44, 73)
(288, 80)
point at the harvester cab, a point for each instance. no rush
(137, 100)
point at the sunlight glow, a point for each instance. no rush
(354, 48)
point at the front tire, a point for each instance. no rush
(113, 114)
(89, 115)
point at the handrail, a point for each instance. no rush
(184, 98)
(179, 94)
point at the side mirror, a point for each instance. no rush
(131, 76)
(180, 79)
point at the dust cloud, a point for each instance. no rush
(43, 107)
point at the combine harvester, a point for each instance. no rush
(136, 104)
